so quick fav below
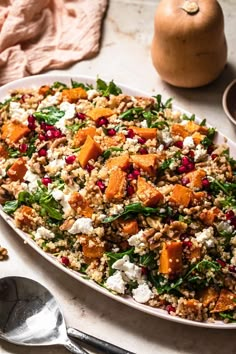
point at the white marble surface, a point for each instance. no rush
(125, 57)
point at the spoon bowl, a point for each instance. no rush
(229, 101)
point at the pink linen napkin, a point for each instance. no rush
(36, 36)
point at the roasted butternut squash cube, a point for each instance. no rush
(122, 162)
(147, 193)
(90, 150)
(93, 248)
(225, 302)
(109, 141)
(178, 129)
(25, 217)
(74, 94)
(171, 258)
(17, 170)
(181, 195)
(43, 90)
(193, 127)
(196, 178)
(197, 137)
(129, 227)
(12, 132)
(208, 296)
(198, 197)
(80, 205)
(81, 135)
(148, 163)
(116, 185)
(146, 133)
(194, 254)
(3, 151)
(208, 217)
(99, 112)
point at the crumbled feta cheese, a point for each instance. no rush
(69, 109)
(188, 142)
(55, 165)
(130, 270)
(81, 225)
(233, 241)
(58, 195)
(18, 113)
(161, 147)
(2, 172)
(224, 226)
(166, 137)
(206, 237)
(138, 241)
(50, 100)
(200, 153)
(142, 293)
(116, 209)
(173, 165)
(233, 259)
(33, 179)
(143, 124)
(44, 233)
(92, 94)
(116, 283)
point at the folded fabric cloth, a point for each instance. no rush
(36, 36)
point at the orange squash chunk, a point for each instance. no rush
(74, 94)
(17, 170)
(197, 138)
(116, 185)
(193, 127)
(25, 217)
(13, 132)
(129, 227)
(90, 150)
(43, 90)
(110, 141)
(81, 135)
(181, 195)
(3, 151)
(194, 253)
(208, 295)
(191, 305)
(171, 258)
(146, 133)
(122, 162)
(198, 197)
(147, 193)
(225, 302)
(195, 178)
(99, 112)
(92, 248)
(209, 216)
(77, 201)
(178, 129)
(147, 163)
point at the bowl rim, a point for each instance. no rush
(224, 101)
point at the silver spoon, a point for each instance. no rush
(30, 315)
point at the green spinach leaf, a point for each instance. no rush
(49, 115)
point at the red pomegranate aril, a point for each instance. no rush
(46, 181)
(23, 148)
(80, 115)
(89, 167)
(31, 119)
(190, 166)
(233, 221)
(170, 308)
(43, 126)
(185, 180)
(232, 268)
(205, 183)
(42, 137)
(179, 144)
(214, 156)
(65, 261)
(221, 263)
(187, 244)
(185, 161)
(130, 176)
(31, 126)
(101, 121)
(144, 271)
(136, 173)
(143, 151)
(210, 149)
(56, 134)
(130, 190)
(49, 127)
(49, 134)
(142, 141)
(130, 134)
(182, 169)
(111, 132)
(191, 154)
(42, 152)
(70, 159)
(229, 214)
(101, 186)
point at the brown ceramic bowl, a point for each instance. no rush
(229, 101)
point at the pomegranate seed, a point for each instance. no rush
(49, 127)
(205, 183)
(56, 134)
(185, 161)
(144, 271)
(31, 126)
(111, 132)
(42, 137)
(101, 121)
(80, 115)
(46, 181)
(221, 263)
(190, 166)
(143, 151)
(101, 186)
(182, 169)
(232, 268)
(42, 152)
(233, 221)
(31, 119)
(70, 159)
(136, 173)
(210, 149)
(185, 180)
(130, 134)
(179, 144)
(130, 176)
(170, 308)
(130, 190)
(183, 237)
(89, 167)
(23, 148)
(43, 126)
(191, 154)
(187, 244)
(142, 141)
(214, 156)
(49, 134)
(229, 214)
(65, 261)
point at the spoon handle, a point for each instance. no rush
(74, 348)
(97, 343)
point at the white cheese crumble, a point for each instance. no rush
(69, 109)
(233, 259)
(166, 137)
(44, 233)
(116, 209)
(81, 225)
(142, 293)
(116, 283)
(206, 237)
(18, 113)
(143, 124)
(55, 165)
(188, 142)
(224, 226)
(129, 270)
(200, 153)
(33, 179)
(50, 100)
(92, 94)
(138, 241)
(58, 195)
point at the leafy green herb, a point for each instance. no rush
(160, 106)
(10, 206)
(203, 122)
(208, 140)
(191, 118)
(148, 260)
(227, 188)
(13, 152)
(107, 153)
(166, 164)
(228, 315)
(11, 99)
(202, 266)
(163, 285)
(59, 85)
(161, 124)
(76, 84)
(229, 201)
(113, 257)
(31, 147)
(108, 89)
(49, 115)
(132, 113)
(75, 127)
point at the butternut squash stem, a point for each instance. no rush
(191, 7)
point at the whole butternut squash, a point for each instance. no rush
(189, 47)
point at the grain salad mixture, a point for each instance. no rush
(125, 190)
